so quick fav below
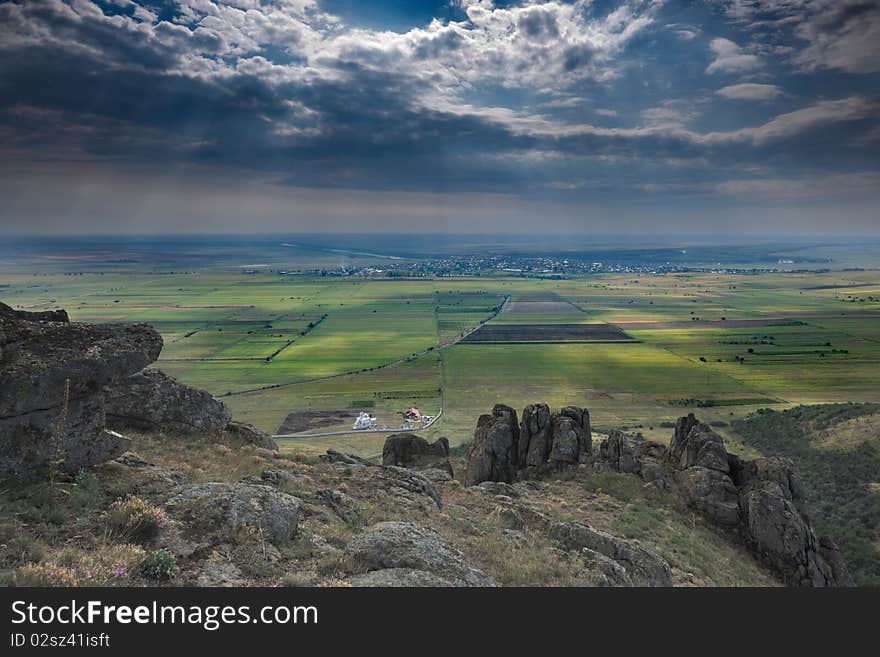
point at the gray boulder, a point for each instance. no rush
(213, 513)
(405, 545)
(153, 401)
(493, 453)
(642, 566)
(398, 578)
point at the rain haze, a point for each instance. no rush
(470, 116)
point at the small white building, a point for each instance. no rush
(364, 421)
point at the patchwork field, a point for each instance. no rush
(637, 350)
(523, 333)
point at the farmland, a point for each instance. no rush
(637, 350)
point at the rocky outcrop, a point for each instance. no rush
(641, 566)
(212, 513)
(771, 500)
(407, 554)
(41, 356)
(407, 450)
(544, 442)
(536, 436)
(153, 401)
(493, 453)
(550, 441)
(763, 498)
(702, 470)
(99, 369)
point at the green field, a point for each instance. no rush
(723, 344)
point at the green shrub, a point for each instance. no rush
(159, 566)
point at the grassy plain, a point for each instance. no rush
(723, 344)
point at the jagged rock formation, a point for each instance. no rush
(762, 500)
(410, 451)
(623, 563)
(39, 354)
(407, 554)
(503, 451)
(153, 401)
(493, 453)
(103, 364)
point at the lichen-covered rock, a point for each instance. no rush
(405, 545)
(408, 450)
(398, 578)
(493, 453)
(153, 401)
(642, 566)
(250, 434)
(212, 513)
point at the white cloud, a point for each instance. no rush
(750, 91)
(730, 58)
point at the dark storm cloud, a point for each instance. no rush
(533, 100)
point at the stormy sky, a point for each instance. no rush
(708, 117)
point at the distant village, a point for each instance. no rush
(547, 267)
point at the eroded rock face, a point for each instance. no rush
(776, 529)
(212, 513)
(494, 451)
(153, 401)
(408, 450)
(641, 566)
(39, 354)
(410, 550)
